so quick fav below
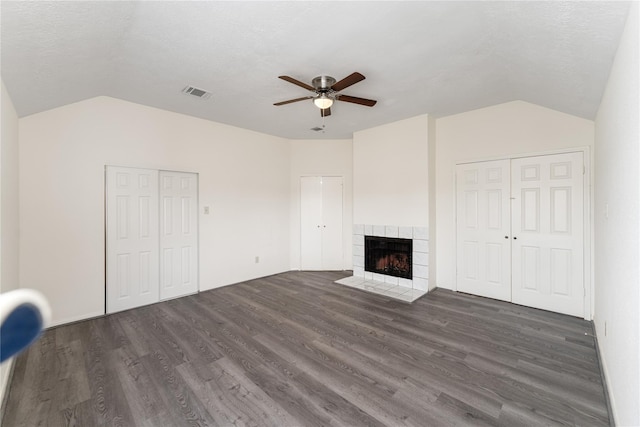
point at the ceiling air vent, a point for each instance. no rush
(316, 129)
(198, 93)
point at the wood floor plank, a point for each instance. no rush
(184, 404)
(110, 406)
(297, 349)
(142, 396)
(72, 385)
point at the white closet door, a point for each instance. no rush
(321, 223)
(178, 234)
(311, 223)
(332, 252)
(548, 232)
(132, 237)
(483, 229)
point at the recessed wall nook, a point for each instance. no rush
(395, 265)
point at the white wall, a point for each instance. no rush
(433, 254)
(617, 234)
(390, 174)
(10, 205)
(499, 131)
(321, 158)
(9, 212)
(243, 177)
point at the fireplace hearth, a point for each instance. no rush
(387, 255)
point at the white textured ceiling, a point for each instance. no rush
(439, 58)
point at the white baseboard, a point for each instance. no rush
(87, 316)
(605, 379)
(6, 373)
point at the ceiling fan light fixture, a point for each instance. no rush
(323, 102)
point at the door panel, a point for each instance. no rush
(483, 221)
(132, 238)
(548, 232)
(332, 252)
(179, 234)
(311, 223)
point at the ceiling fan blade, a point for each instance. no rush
(326, 112)
(348, 81)
(356, 100)
(293, 100)
(297, 82)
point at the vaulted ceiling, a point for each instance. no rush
(439, 58)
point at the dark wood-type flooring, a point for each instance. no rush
(296, 349)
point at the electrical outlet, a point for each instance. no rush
(257, 259)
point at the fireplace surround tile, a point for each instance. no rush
(405, 232)
(358, 250)
(384, 289)
(391, 280)
(420, 258)
(390, 231)
(405, 283)
(353, 280)
(420, 271)
(420, 245)
(379, 231)
(395, 291)
(378, 277)
(368, 229)
(358, 261)
(421, 233)
(420, 283)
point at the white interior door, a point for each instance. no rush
(332, 247)
(132, 237)
(483, 229)
(178, 234)
(548, 232)
(311, 223)
(321, 246)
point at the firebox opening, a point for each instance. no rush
(390, 256)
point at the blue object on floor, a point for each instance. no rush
(24, 313)
(21, 328)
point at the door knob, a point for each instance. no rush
(506, 237)
(515, 238)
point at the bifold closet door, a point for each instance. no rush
(321, 211)
(483, 229)
(132, 238)
(178, 234)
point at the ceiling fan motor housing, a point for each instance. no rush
(323, 83)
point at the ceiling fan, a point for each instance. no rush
(325, 91)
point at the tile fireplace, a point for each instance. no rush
(399, 262)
